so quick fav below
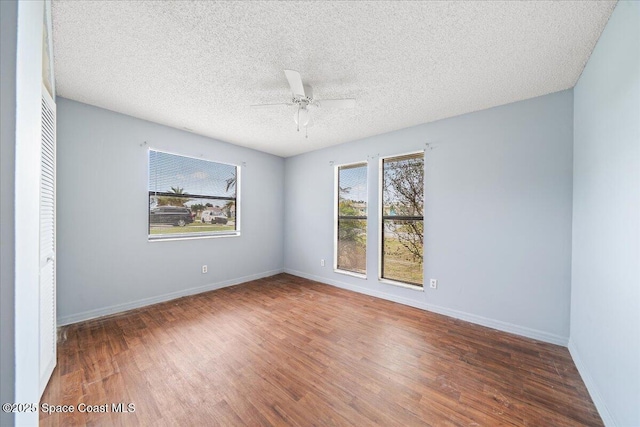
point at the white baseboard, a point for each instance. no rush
(469, 317)
(118, 308)
(592, 388)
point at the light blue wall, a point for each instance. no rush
(605, 292)
(8, 45)
(498, 187)
(105, 262)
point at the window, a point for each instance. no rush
(191, 197)
(402, 225)
(351, 219)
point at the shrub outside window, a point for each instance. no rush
(351, 219)
(191, 197)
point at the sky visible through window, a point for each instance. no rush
(194, 176)
(353, 184)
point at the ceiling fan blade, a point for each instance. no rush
(295, 81)
(336, 103)
(270, 105)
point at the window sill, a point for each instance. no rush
(187, 237)
(350, 273)
(401, 284)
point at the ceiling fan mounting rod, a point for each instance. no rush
(302, 101)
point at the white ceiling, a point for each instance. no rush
(199, 65)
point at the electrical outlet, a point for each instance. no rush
(433, 284)
(321, 263)
(204, 269)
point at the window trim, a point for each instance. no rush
(201, 235)
(336, 199)
(381, 224)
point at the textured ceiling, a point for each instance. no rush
(199, 65)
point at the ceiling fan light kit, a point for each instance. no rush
(302, 100)
(302, 117)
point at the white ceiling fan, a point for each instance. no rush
(303, 101)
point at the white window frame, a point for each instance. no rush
(193, 236)
(381, 224)
(336, 198)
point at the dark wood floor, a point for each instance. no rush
(288, 351)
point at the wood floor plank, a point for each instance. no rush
(289, 351)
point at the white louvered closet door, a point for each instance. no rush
(47, 240)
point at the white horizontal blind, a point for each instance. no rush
(191, 197)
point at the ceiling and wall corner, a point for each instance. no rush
(199, 65)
